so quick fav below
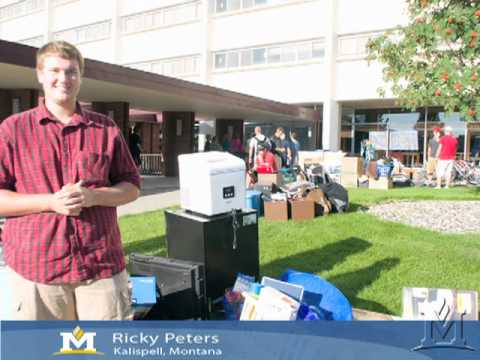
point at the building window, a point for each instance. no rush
(354, 46)
(246, 57)
(318, 50)
(232, 60)
(289, 54)
(304, 51)
(274, 54)
(167, 16)
(220, 6)
(91, 32)
(259, 56)
(176, 67)
(220, 61)
(21, 8)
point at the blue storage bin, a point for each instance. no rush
(254, 201)
(329, 302)
(384, 170)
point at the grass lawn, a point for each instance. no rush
(369, 259)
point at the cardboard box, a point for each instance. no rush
(276, 210)
(352, 165)
(383, 183)
(302, 209)
(407, 171)
(349, 180)
(310, 157)
(322, 205)
(269, 179)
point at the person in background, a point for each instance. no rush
(135, 145)
(61, 239)
(226, 142)
(281, 146)
(215, 146)
(368, 152)
(294, 148)
(208, 143)
(446, 154)
(432, 154)
(257, 140)
(236, 147)
(265, 161)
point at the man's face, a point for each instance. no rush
(60, 79)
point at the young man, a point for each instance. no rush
(282, 146)
(446, 153)
(432, 154)
(63, 172)
(257, 140)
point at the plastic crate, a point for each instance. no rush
(384, 170)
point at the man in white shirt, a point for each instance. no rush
(255, 141)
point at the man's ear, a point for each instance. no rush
(39, 75)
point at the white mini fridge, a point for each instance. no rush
(211, 183)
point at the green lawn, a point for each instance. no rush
(369, 259)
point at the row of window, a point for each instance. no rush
(353, 46)
(275, 54)
(178, 67)
(21, 8)
(91, 32)
(221, 6)
(167, 16)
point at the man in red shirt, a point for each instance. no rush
(446, 154)
(63, 172)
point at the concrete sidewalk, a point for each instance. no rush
(157, 192)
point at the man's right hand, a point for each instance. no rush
(67, 201)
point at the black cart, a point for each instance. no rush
(226, 244)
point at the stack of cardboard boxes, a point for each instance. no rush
(352, 169)
(297, 210)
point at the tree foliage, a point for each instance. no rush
(435, 59)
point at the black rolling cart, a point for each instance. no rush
(226, 244)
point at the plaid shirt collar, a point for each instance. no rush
(78, 117)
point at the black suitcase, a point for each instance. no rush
(180, 287)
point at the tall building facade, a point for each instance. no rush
(306, 52)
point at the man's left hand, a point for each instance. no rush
(85, 196)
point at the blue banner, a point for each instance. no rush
(240, 340)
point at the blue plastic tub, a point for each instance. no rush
(330, 303)
(254, 201)
(384, 170)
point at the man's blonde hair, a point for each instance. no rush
(62, 49)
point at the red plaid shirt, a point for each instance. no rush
(39, 155)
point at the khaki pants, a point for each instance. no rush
(103, 299)
(432, 166)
